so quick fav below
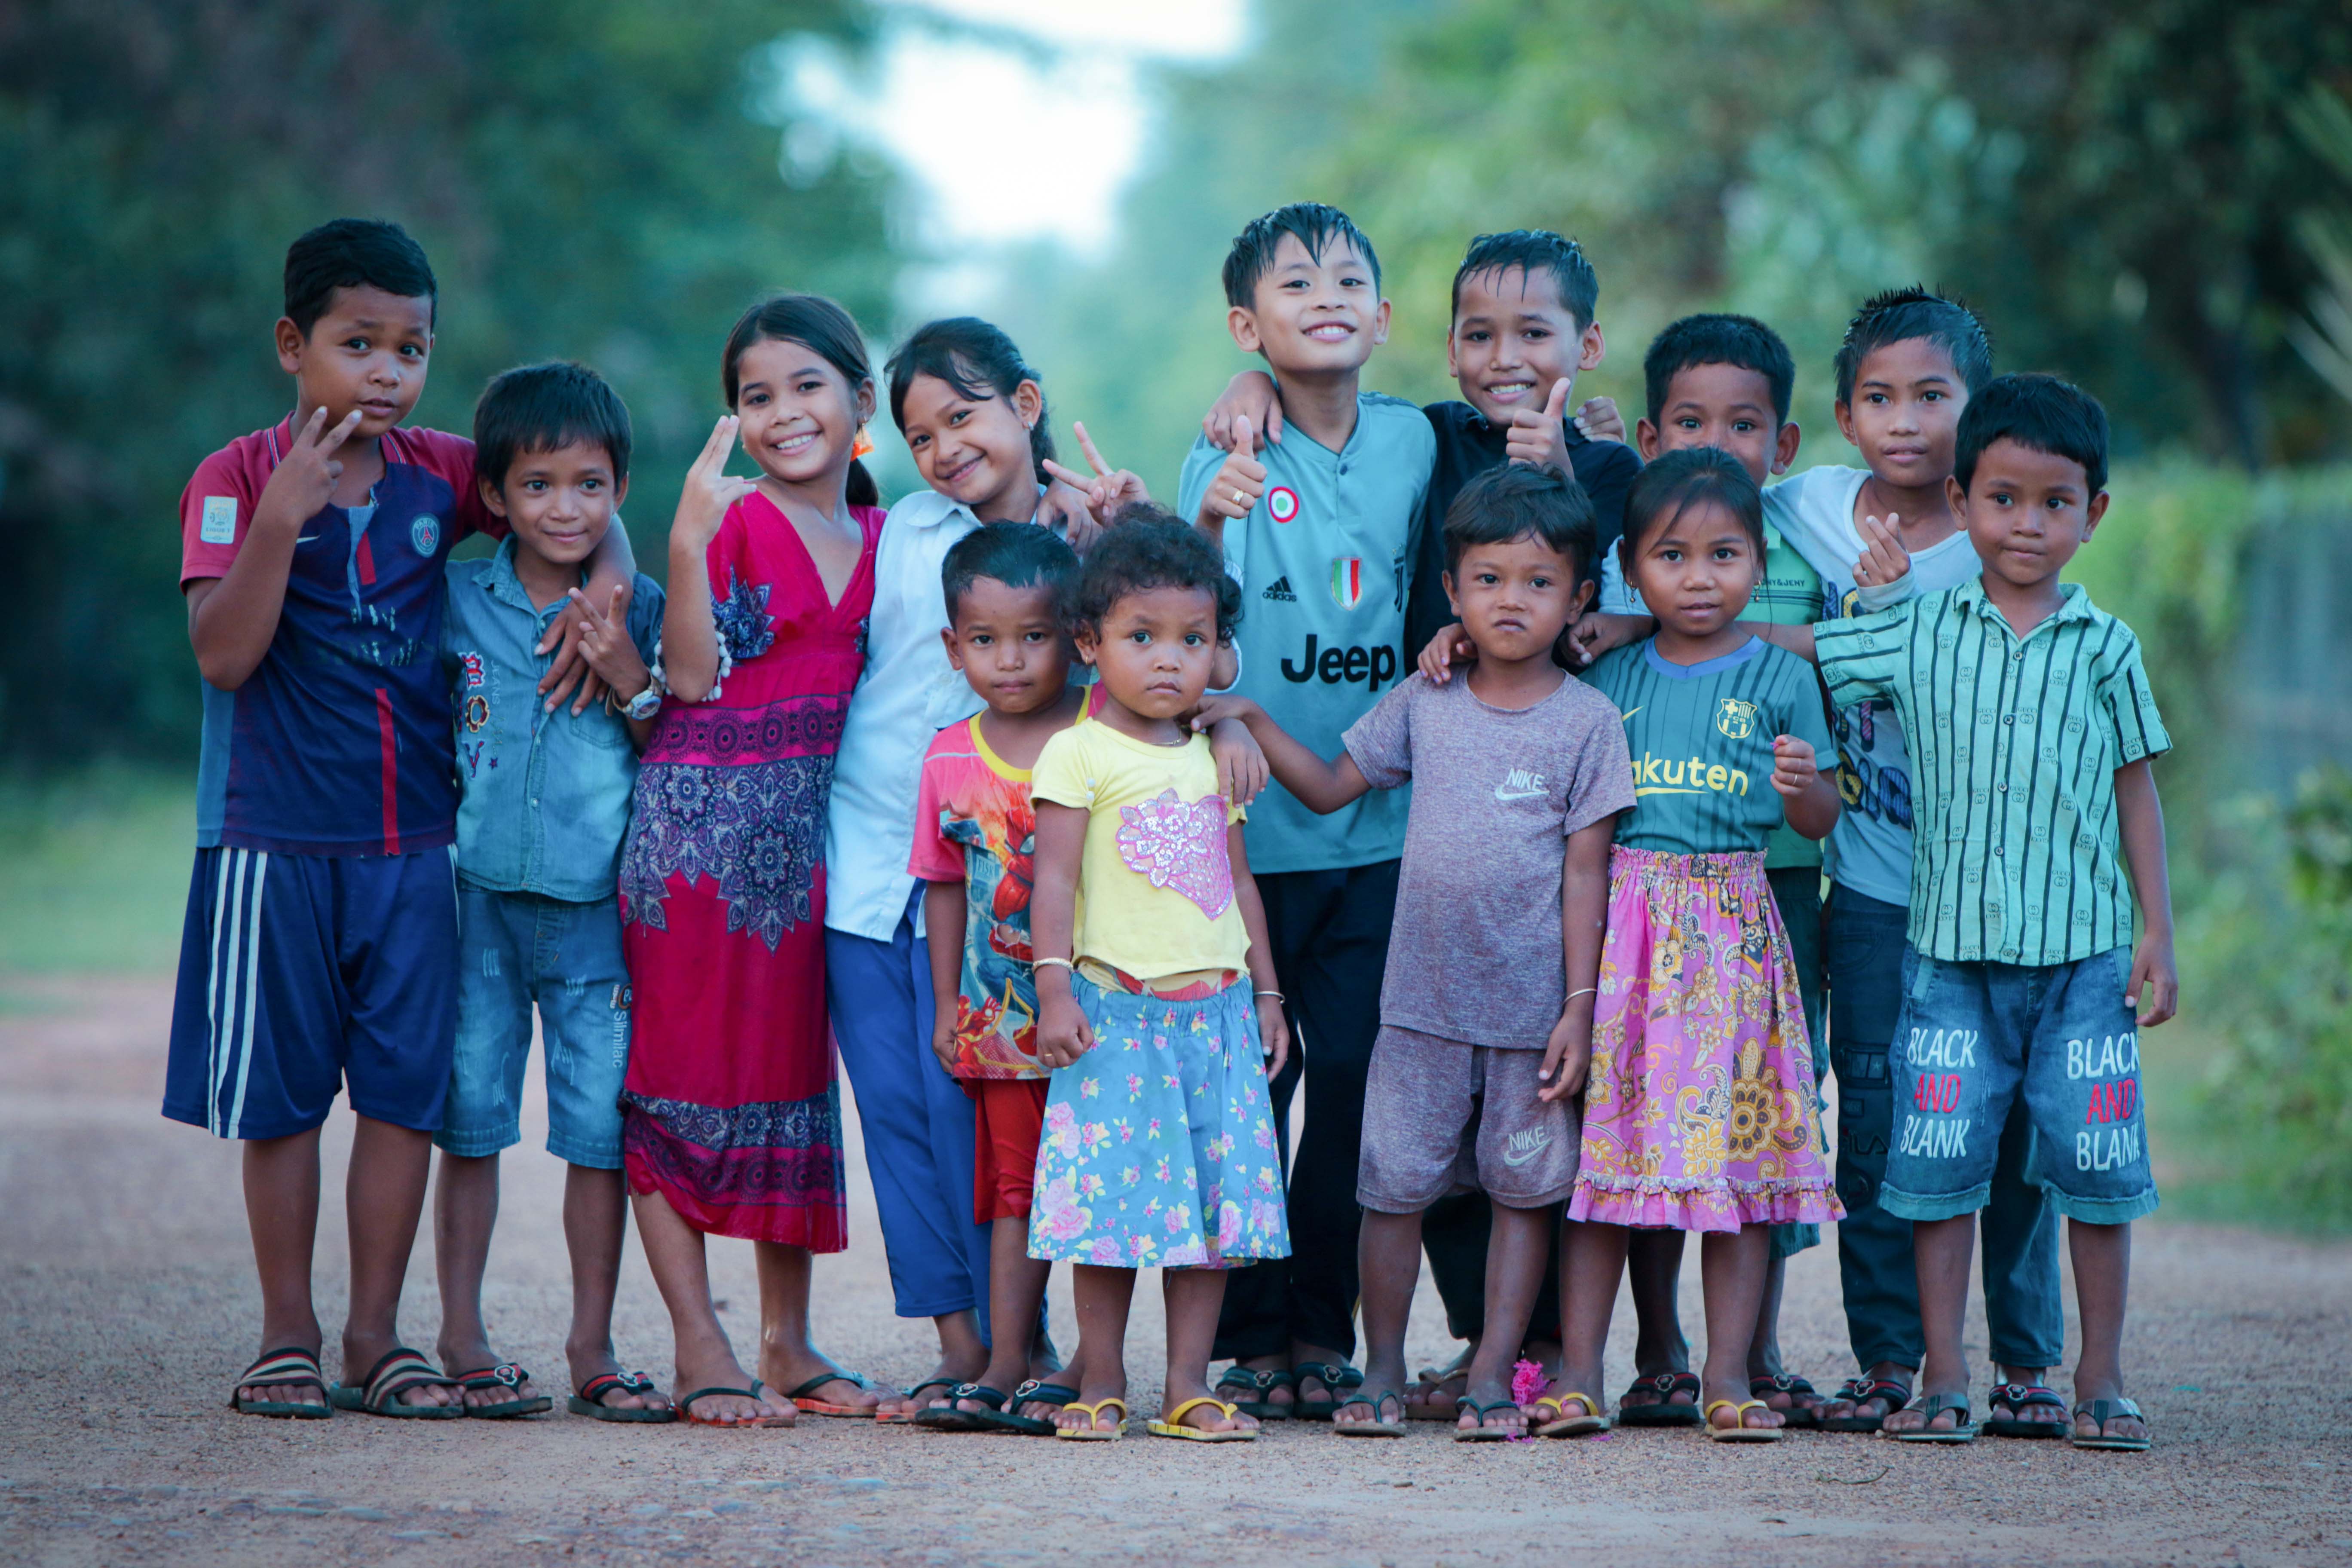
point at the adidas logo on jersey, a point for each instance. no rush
(1280, 592)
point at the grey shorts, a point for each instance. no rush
(1441, 1117)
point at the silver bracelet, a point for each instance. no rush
(1276, 994)
(1063, 962)
(1588, 991)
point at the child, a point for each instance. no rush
(1154, 987)
(543, 803)
(2028, 708)
(1007, 587)
(321, 945)
(1322, 550)
(732, 1122)
(1487, 1010)
(1699, 1107)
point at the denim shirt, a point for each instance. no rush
(543, 798)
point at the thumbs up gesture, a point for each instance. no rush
(1239, 485)
(1536, 436)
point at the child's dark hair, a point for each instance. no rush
(1900, 314)
(353, 253)
(1018, 554)
(1741, 341)
(977, 361)
(542, 408)
(1520, 500)
(1692, 476)
(826, 329)
(1150, 547)
(1533, 250)
(1313, 224)
(2038, 411)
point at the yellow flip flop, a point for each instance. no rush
(1171, 1424)
(1737, 1432)
(1561, 1424)
(1090, 1433)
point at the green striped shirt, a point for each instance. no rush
(2014, 746)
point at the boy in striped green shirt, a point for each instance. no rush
(2033, 730)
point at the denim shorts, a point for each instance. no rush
(515, 950)
(1972, 1037)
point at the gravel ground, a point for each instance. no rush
(128, 1302)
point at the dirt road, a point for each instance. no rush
(127, 1307)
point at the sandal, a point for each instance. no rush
(1255, 1387)
(1035, 1393)
(803, 1397)
(1789, 1383)
(1090, 1432)
(2019, 1396)
(1375, 1427)
(1739, 1431)
(590, 1400)
(1860, 1391)
(686, 1407)
(910, 1414)
(400, 1370)
(2104, 1411)
(1439, 1405)
(1171, 1424)
(1482, 1433)
(1929, 1407)
(947, 1418)
(508, 1375)
(1563, 1425)
(292, 1366)
(1666, 1385)
(1336, 1379)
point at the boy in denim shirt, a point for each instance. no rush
(543, 807)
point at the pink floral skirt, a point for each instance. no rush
(1699, 1110)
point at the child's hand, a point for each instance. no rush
(1062, 1032)
(1597, 631)
(709, 489)
(1274, 1034)
(304, 480)
(1568, 1054)
(1063, 508)
(605, 644)
(943, 1043)
(1109, 491)
(1250, 396)
(565, 640)
(1536, 436)
(1794, 768)
(1238, 485)
(1215, 709)
(1242, 769)
(1450, 646)
(2153, 976)
(1884, 559)
(1598, 419)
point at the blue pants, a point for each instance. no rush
(918, 1122)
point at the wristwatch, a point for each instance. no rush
(646, 703)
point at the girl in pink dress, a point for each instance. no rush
(733, 1121)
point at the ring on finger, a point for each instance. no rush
(1239, 499)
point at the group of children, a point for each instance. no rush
(1087, 831)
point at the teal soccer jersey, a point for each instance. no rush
(1322, 561)
(1701, 740)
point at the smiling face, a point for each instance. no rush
(559, 503)
(975, 450)
(1906, 412)
(1154, 649)
(1008, 643)
(1313, 317)
(1725, 406)
(367, 351)
(1515, 598)
(800, 416)
(1696, 569)
(2027, 511)
(1513, 337)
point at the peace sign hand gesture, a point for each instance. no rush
(605, 644)
(709, 489)
(304, 480)
(1109, 491)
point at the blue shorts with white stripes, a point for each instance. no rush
(302, 973)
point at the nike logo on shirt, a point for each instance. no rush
(1521, 786)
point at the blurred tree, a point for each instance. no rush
(2324, 337)
(596, 179)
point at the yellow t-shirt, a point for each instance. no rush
(1155, 884)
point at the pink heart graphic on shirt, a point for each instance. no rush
(1172, 845)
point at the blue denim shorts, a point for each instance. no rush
(1972, 1037)
(516, 949)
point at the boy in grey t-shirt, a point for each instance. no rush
(1518, 768)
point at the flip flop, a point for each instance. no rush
(1482, 1433)
(292, 1366)
(1255, 1387)
(1090, 1433)
(508, 1375)
(1856, 1390)
(1334, 1377)
(1666, 1385)
(1931, 1406)
(1563, 1425)
(2017, 1396)
(1036, 1393)
(904, 1417)
(1737, 1432)
(400, 1370)
(1789, 1383)
(590, 1400)
(947, 1418)
(1171, 1424)
(1375, 1427)
(1439, 1406)
(686, 1407)
(800, 1396)
(2104, 1411)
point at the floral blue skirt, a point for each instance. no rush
(1159, 1148)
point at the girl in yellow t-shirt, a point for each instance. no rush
(1157, 1005)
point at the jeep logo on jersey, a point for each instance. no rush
(1736, 719)
(424, 533)
(1282, 504)
(1343, 666)
(1348, 582)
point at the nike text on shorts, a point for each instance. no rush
(1443, 1117)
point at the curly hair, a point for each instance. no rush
(1150, 547)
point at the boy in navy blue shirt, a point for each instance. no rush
(319, 948)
